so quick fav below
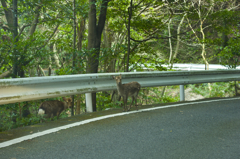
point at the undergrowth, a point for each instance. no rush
(218, 89)
(11, 115)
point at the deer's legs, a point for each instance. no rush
(124, 103)
(136, 103)
(131, 103)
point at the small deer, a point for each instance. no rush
(54, 108)
(126, 90)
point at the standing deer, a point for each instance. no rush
(54, 107)
(126, 90)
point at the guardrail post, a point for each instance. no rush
(182, 93)
(89, 106)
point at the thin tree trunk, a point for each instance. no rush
(80, 31)
(178, 40)
(50, 61)
(50, 66)
(35, 21)
(128, 28)
(236, 88)
(78, 110)
(41, 69)
(105, 42)
(55, 57)
(74, 50)
(163, 91)
(15, 39)
(92, 63)
(204, 54)
(170, 42)
(203, 48)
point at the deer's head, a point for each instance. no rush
(118, 79)
(68, 102)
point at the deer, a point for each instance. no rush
(50, 109)
(128, 89)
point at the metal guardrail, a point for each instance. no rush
(197, 67)
(33, 88)
(186, 67)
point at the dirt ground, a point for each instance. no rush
(189, 95)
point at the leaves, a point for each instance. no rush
(230, 54)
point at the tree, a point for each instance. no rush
(205, 19)
(95, 29)
(21, 43)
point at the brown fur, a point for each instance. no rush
(54, 108)
(125, 90)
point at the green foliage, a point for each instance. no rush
(104, 101)
(229, 56)
(11, 118)
(64, 71)
(30, 120)
(169, 99)
(218, 89)
(6, 122)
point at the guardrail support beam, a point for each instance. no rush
(182, 93)
(89, 106)
(35, 88)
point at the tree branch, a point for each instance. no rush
(8, 14)
(193, 29)
(35, 21)
(7, 73)
(233, 8)
(55, 30)
(102, 18)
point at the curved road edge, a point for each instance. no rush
(28, 137)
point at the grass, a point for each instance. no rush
(218, 89)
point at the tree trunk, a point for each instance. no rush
(50, 61)
(92, 63)
(94, 39)
(74, 50)
(170, 42)
(80, 31)
(78, 110)
(35, 21)
(178, 40)
(41, 70)
(128, 28)
(15, 39)
(203, 47)
(204, 54)
(9, 13)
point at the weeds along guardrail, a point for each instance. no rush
(33, 88)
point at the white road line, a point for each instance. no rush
(20, 139)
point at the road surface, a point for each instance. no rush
(208, 130)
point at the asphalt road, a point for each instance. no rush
(195, 131)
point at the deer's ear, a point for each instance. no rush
(69, 99)
(113, 77)
(64, 98)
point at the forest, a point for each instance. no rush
(65, 37)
